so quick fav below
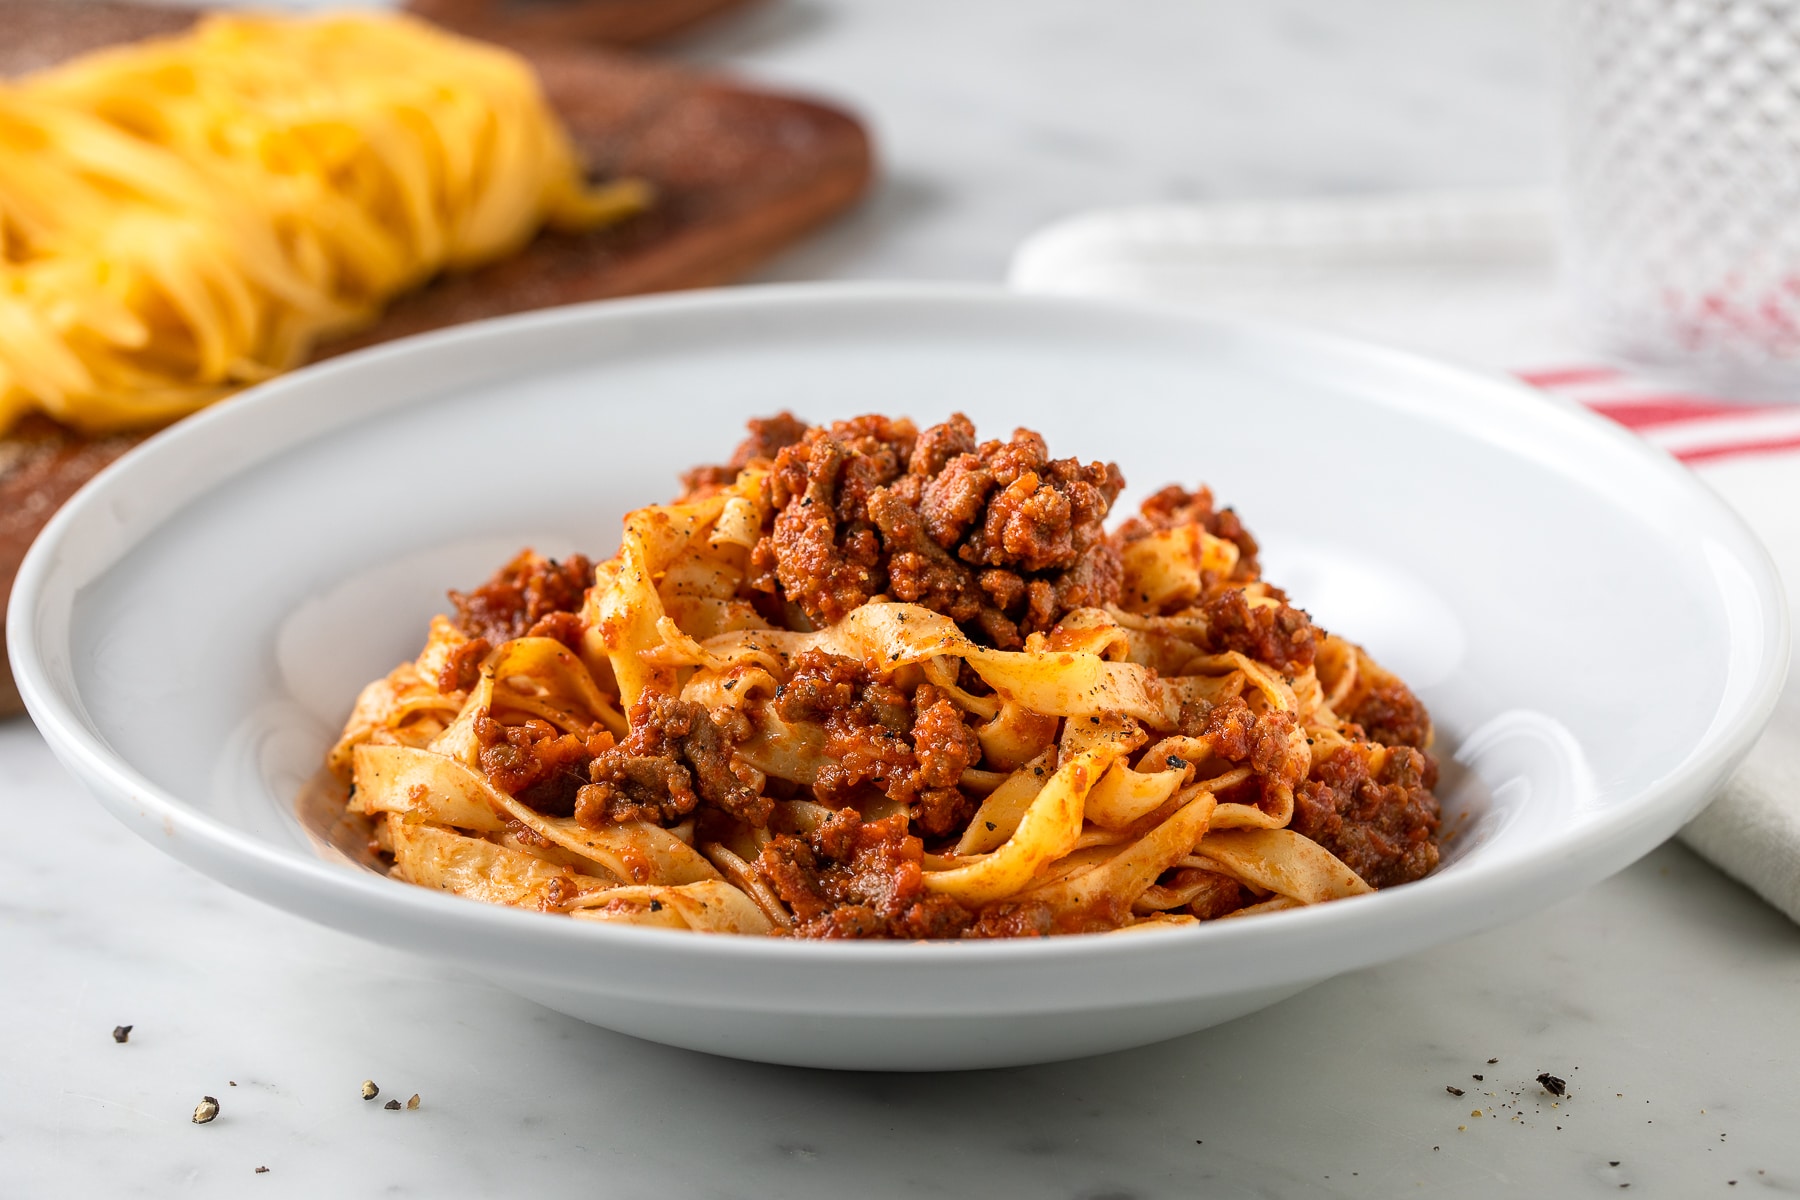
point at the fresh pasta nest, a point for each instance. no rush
(868, 680)
(185, 216)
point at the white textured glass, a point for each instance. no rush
(1682, 222)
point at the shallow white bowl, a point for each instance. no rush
(1598, 637)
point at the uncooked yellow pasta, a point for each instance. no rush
(183, 217)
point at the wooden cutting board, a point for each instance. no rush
(739, 173)
(602, 22)
(39, 33)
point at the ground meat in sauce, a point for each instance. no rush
(852, 878)
(1213, 895)
(1175, 506)
(1381, 826)
(858, 879)
(462, 666)
(1392, 715)
(1275, 634)
(521, 595)
(997, 536)
(1014, 918)
(768, 437)
(675, 757)
(536, 763)
(913, 749)
(564, 627)
(864, 879)
(1242, 737)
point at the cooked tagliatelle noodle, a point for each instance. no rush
(184, 216)
(868, 680)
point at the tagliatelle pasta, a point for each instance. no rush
(188, 215)
(873, 681)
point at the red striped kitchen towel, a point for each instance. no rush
(1472, 278)
(1694, 428)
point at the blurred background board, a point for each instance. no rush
(40, 33)
(602, 22)
(739, 173)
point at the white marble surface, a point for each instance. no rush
(996, 118)
(1665, 997)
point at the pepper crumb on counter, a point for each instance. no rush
(1552, 1084)
(1454, 1091)
(369, 1090)
(121, 1033)
(262, 1170)
(206, 1110)
(392, 1106)
(1492, 1061)
(414, 1102)
(1476, 1078)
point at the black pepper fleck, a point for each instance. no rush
(1454, 1091)
(121, 1033)
(392, 1106)
(1552, 1084)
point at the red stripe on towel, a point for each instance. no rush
(1650, 412)
(1555, 377)
(1735, 449)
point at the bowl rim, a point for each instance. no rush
(311, 886)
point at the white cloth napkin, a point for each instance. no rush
(1472, 278)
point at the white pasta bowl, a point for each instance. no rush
(1597, 636)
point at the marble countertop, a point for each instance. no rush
(1664, 997)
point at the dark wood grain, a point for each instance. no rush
(739, 173)
(41, 33)
(562, 22)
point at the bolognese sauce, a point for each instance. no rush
(868, 680)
